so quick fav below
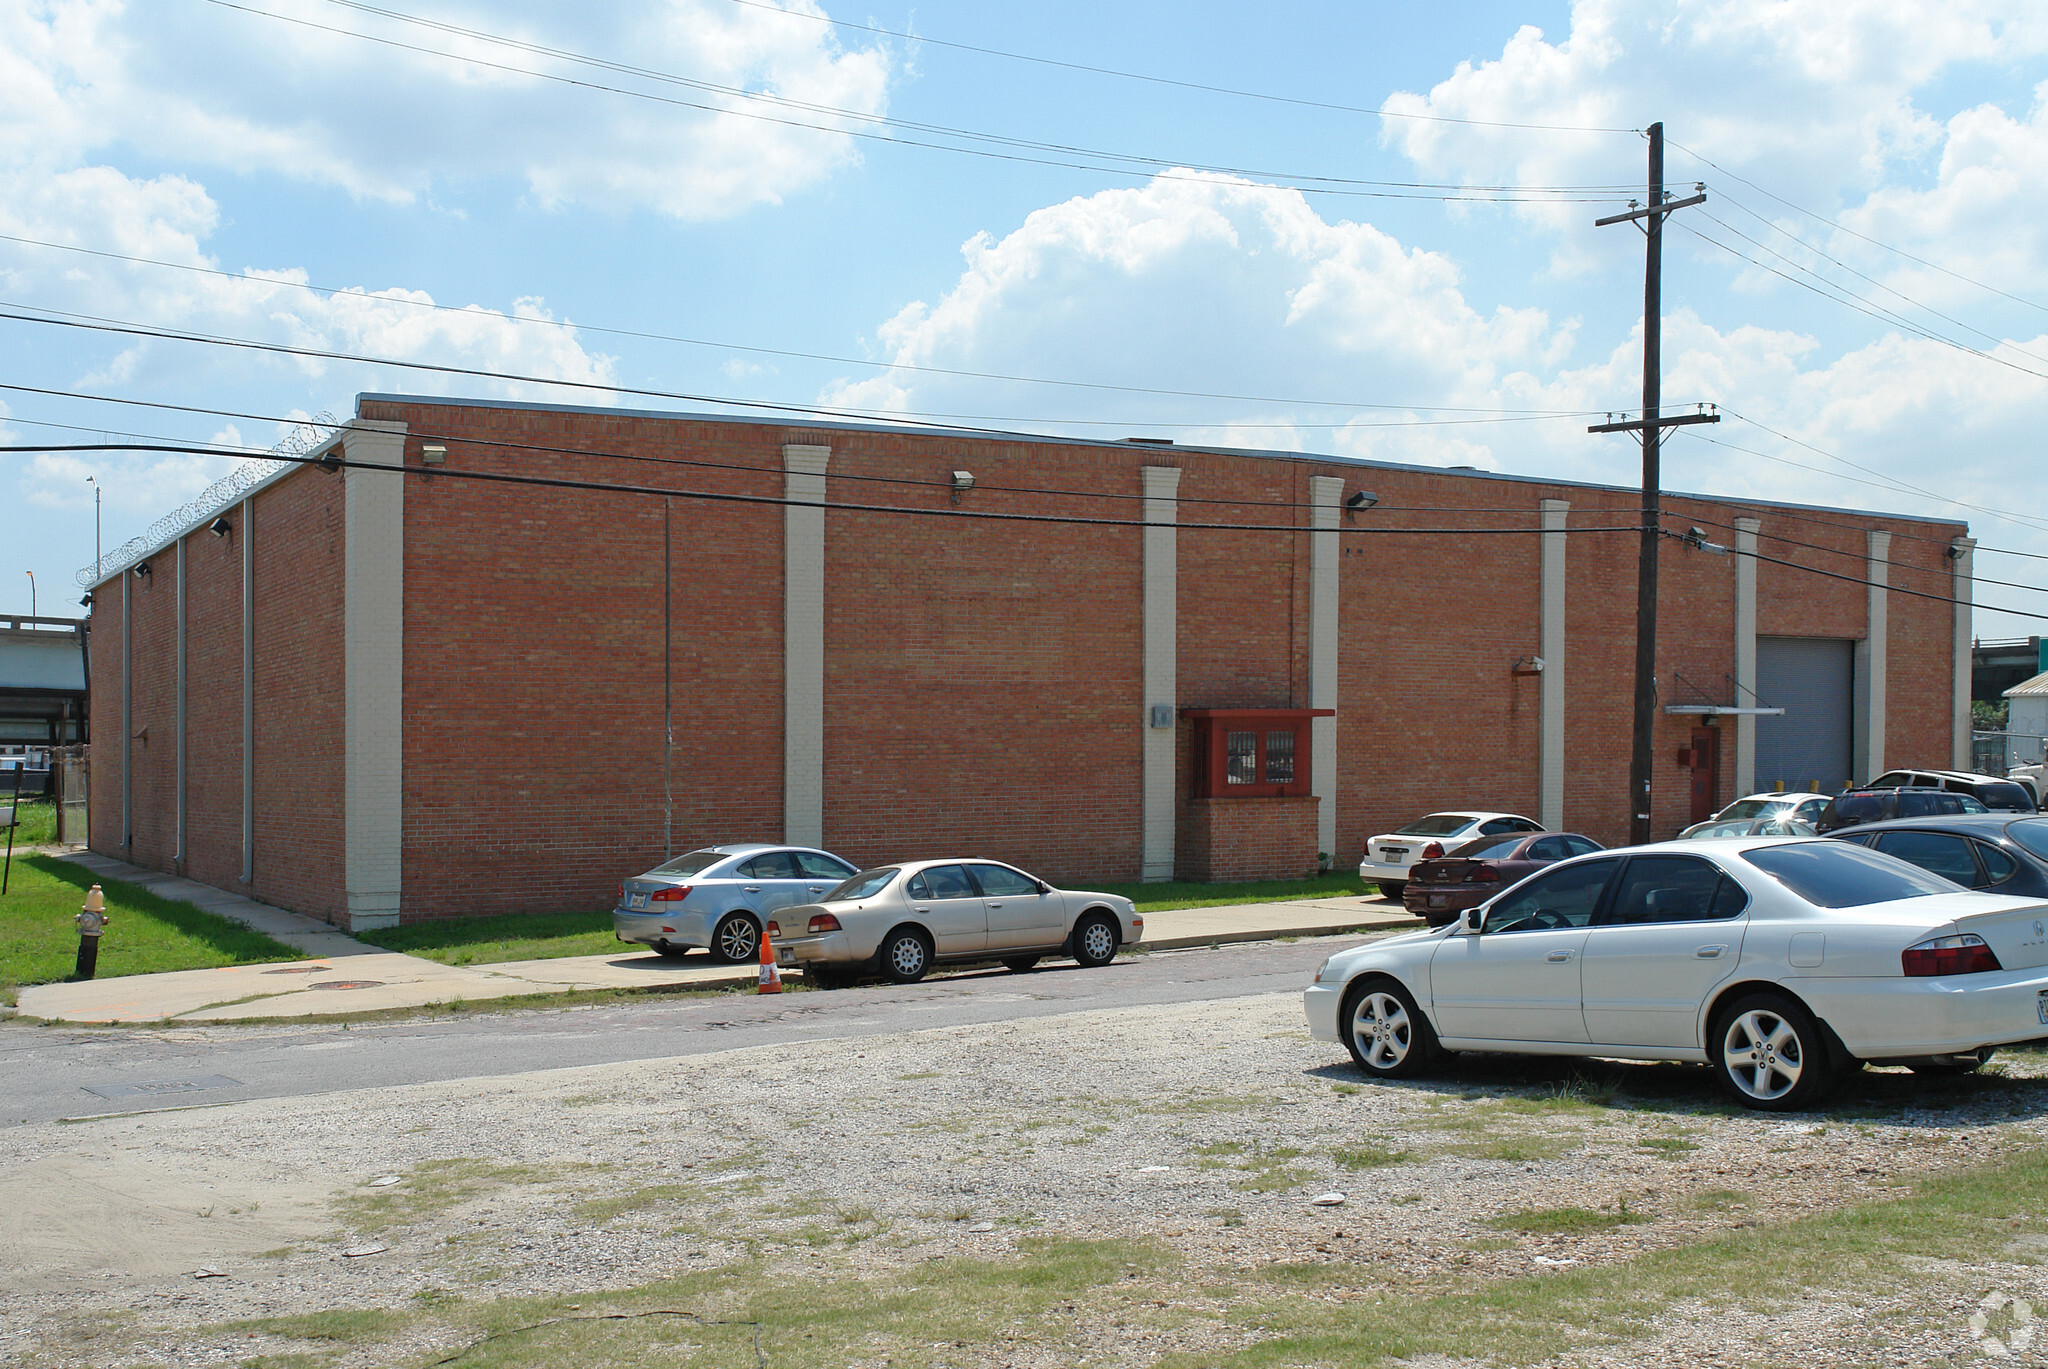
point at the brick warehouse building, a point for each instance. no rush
(371, 695)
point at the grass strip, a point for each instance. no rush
(147, 934)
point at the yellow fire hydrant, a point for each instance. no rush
(92, 921)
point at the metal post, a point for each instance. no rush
(668, 731)
(13, 821)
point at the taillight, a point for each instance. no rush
(823, 922)
(673, 894)
(1964, 954)
(1486, 874)
(774, 930)
(1432, 851)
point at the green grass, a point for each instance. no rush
(1155, 898)
(35, 822)
(146, 934)
(507, 936)
(1563, 1221)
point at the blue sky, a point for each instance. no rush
(462, 154)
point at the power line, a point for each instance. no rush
(1842, 228)
(1170, 81)
(1161, 168)
(565, 325)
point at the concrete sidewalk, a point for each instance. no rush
(343, 975)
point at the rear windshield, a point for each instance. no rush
(2003, 795)
(1835, 874)
(1750, 808)
(694, 863)
(866, 884)
(2031, 833)
(1859, 807)
(1489, 848)
(1435, 825)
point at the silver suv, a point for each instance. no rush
(722, 896)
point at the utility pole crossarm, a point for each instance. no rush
(1664, 208)
(1636, 425)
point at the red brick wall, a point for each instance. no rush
(1240, 839)
(213, 707)
(103, 629)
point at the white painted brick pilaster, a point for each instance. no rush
(803, 644)
(1550, 645)
(1162, 685)
(1325, 583)
(1962, 587)
(1745, 653)
(373, 644)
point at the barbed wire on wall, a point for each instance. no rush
(302, 438)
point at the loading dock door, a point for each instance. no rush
(1812, 679)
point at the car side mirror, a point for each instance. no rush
(1043, 887)
(1470, 922)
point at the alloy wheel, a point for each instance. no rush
(738, 940)
(1383, 1030)
(1763, 1054)
(1098, 943)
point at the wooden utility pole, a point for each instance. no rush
(1652, 425)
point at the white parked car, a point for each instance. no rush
(1775, 961)
(1805, 807)
(900, 920)
(1388, 857)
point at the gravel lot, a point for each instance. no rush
(1197, 1136)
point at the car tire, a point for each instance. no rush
(671, 952)
(1021, 964)
(1393, 888)
(736, 940)
(1770, 1053)
(1387, 1033)
(1095, 942)
(906, 955)
(1948, 1066)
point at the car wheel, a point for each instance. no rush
(736, 939)
(1095, 942)
(1393, 888)
(1388, 1035)
(1769, 1053)
(906, 956)
(672, 952)
(1948, 1065)
(1021, 964)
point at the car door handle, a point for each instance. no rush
(817, 888)
(752, 889)
(993, 906)
(922, 912)
(1710, 952)
(1558, 957)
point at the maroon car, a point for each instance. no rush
(1440, 889)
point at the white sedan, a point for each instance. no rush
(1388, 856)
(1777, 962)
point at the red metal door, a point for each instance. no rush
(1706, 771)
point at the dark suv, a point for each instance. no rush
(1859, 806)
(1999, 795)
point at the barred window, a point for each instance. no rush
(1241, 754)
(1280, 757)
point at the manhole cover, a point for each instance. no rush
(348, 984)
(302, 969)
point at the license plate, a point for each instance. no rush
(1437, 900)
(2041, 1004)
(638, 901)
(1393, 853)
(785, 956)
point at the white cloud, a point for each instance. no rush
(210, 86)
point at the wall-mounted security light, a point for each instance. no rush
(1696, 538)
(221, 527)
(1363, 499)
(433, 454)
(1526, 665)
(963, 480)
(86, 602)
(142, 571)
(329, 460)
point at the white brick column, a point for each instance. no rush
(178, 715)
(1964, 585)
(803, 644)
(1868, 747)
(1325, 584)
(1745, 654)
(1550, 645)
(127, 714)
(246, 532)
(373, 651)
(1162, 681)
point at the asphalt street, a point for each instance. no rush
(52, 1073)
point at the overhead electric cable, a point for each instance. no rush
(566, 325)
(1381, 113)
(1159, 168)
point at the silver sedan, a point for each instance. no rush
(900, 920)
(721, 897)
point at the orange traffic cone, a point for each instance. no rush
(771, 978)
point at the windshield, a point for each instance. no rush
(866, 884)
(1738, 827)
(2031, 833)
(1437, 825)
(1835, 874)
(694, 863)
(1750, 808)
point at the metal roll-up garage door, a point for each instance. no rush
(1812, 679)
